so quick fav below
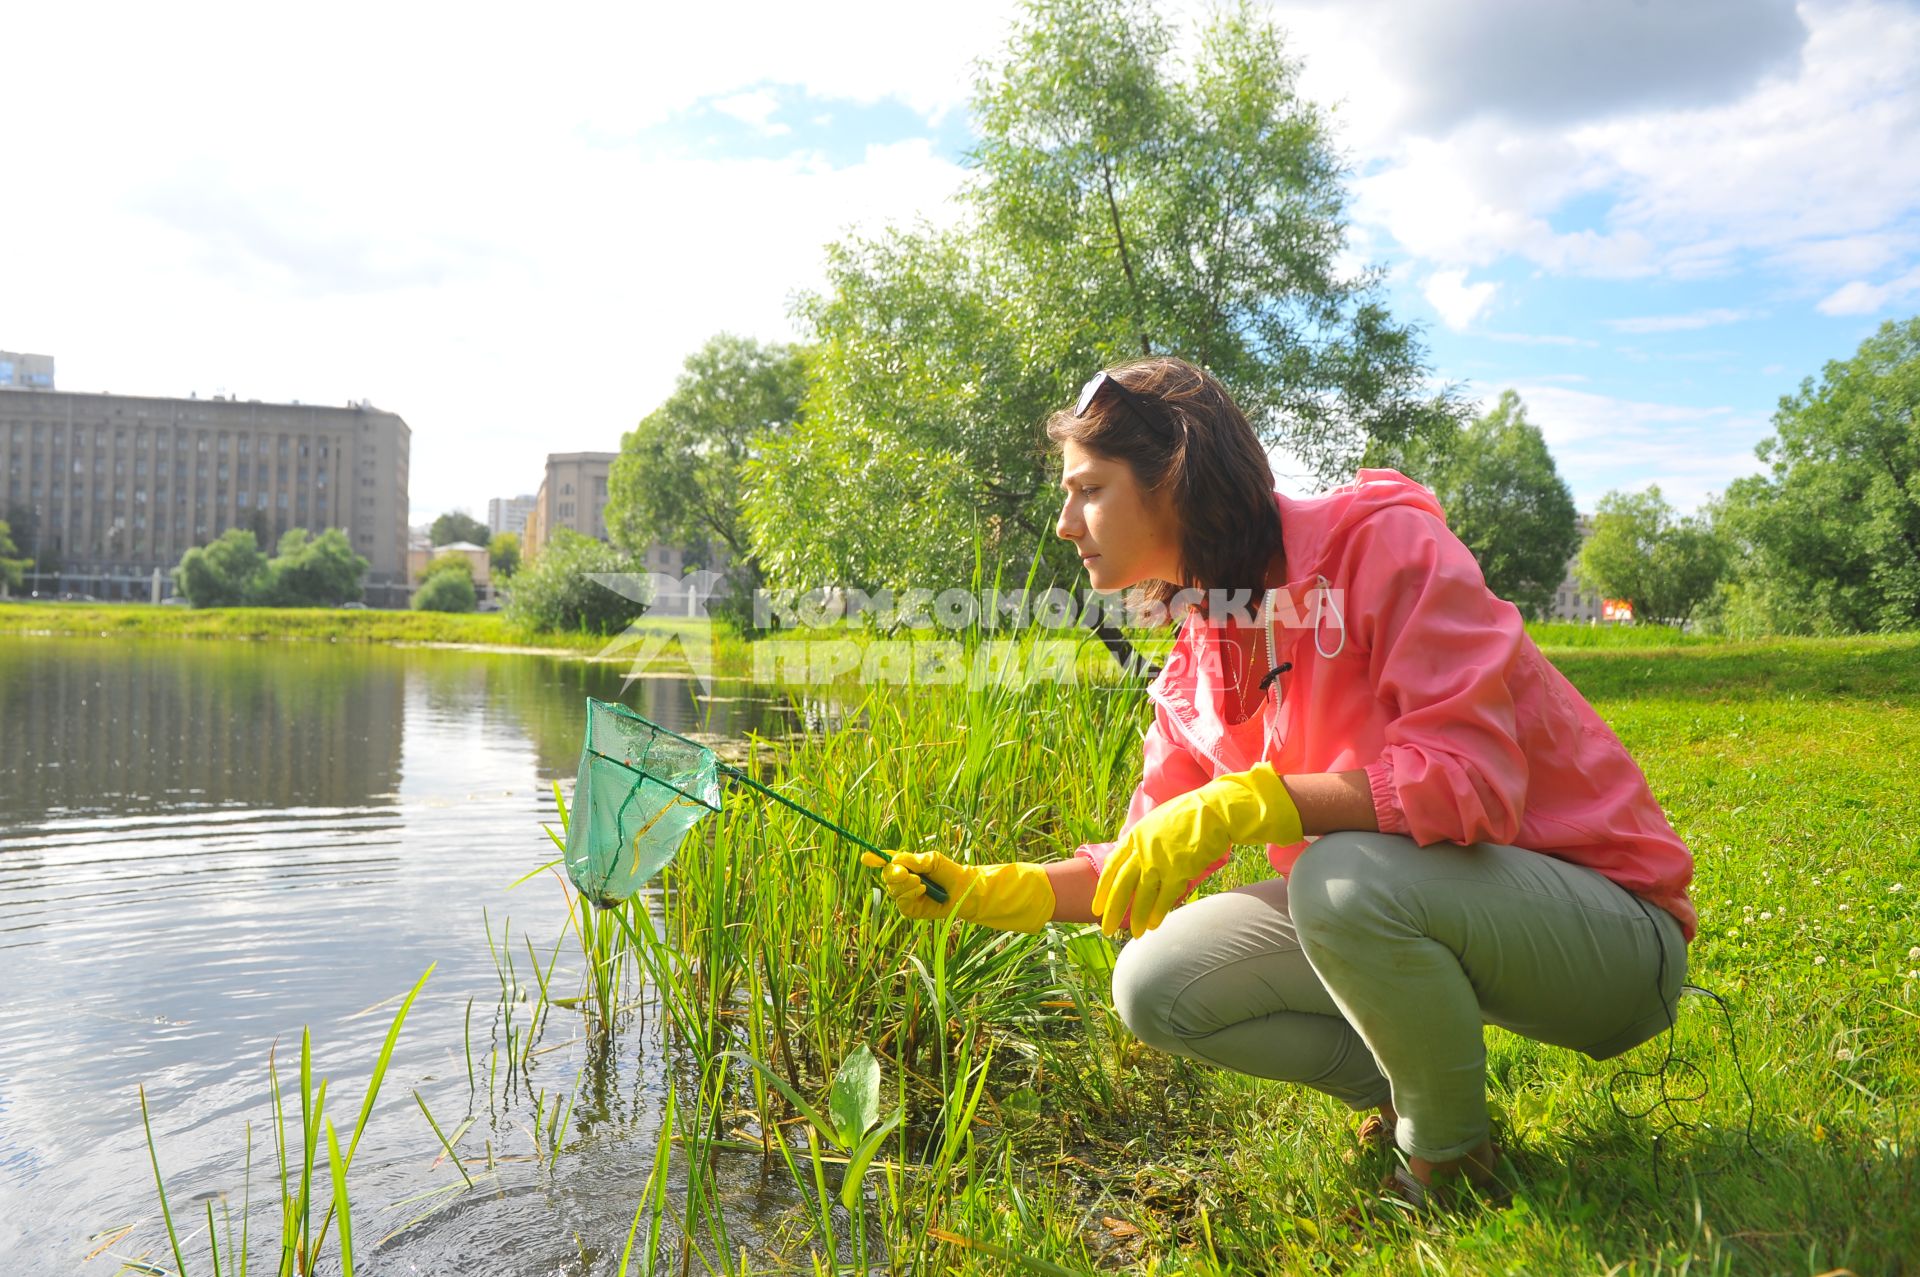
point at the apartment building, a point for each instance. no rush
(572, 495)
(509, 514)
(25, 372)
(103, 489)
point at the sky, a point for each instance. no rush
(1651, 219)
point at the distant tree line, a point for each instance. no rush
(305, 571)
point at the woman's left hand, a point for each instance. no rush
(1183, 838)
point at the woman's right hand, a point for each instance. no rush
(1012, 897)
(903, 879)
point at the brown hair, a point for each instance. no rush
(1189, 438)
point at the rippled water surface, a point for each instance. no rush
(205, 847)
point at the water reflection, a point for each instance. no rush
(99, 726)
(206, 846)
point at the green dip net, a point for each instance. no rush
(640, 789)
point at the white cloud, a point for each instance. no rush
(1484, 192)
(1680, 323)
(1602, 442)
(1848, 256)
(1458, 302)
(1544, 63)
(1795, 153)
(754, 108)
(1540, 339)
(1862, 298)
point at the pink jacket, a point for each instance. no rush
(1405, 664)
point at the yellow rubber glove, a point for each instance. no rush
(1175, 843)
(1012, 897)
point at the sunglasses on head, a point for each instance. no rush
(1101, 380)
(1091, 391)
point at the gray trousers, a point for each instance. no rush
(1368, 972)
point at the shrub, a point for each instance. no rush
(223, 573)
(445, 591)
(322, 571)
(554, 590)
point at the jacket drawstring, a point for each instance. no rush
(1326, 601)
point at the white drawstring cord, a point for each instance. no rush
(1326, 601)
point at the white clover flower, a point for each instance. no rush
(1914, 953)
(1843, 1055)
(1913, 975)
(1895, 887)
(1843, 906)
(1767, 916)
(1816, 880)
(1820, 960)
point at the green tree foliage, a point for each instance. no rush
(1503, 496)
(458, 525)
(555, 589)
(455, 564)
(1118, 205)
(310, 571)
(878, 512)
(1830, 538)
(28, 540)
(225, 572)
(679, 478)
(12, 569)
(503, 554)
(1642, 551)
(446, 586)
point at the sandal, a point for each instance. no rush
(1406, 1190)
(1373, 1134)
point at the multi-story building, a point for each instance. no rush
(573, 495)
(105, 489)
(509, 514)
(1570, 602)
(25, 372)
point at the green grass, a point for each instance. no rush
(1561, 634)
(372, 625)
(334, 625)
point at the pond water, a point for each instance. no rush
(207, 846)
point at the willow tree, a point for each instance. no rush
(1120, 203)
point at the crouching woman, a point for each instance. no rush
(1458, 838)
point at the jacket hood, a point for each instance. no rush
(1312, 526)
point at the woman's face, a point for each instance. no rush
(1125, 534)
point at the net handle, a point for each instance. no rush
(935, 891)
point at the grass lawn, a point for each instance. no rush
(370, 625)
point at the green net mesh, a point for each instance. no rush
(640, 789)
